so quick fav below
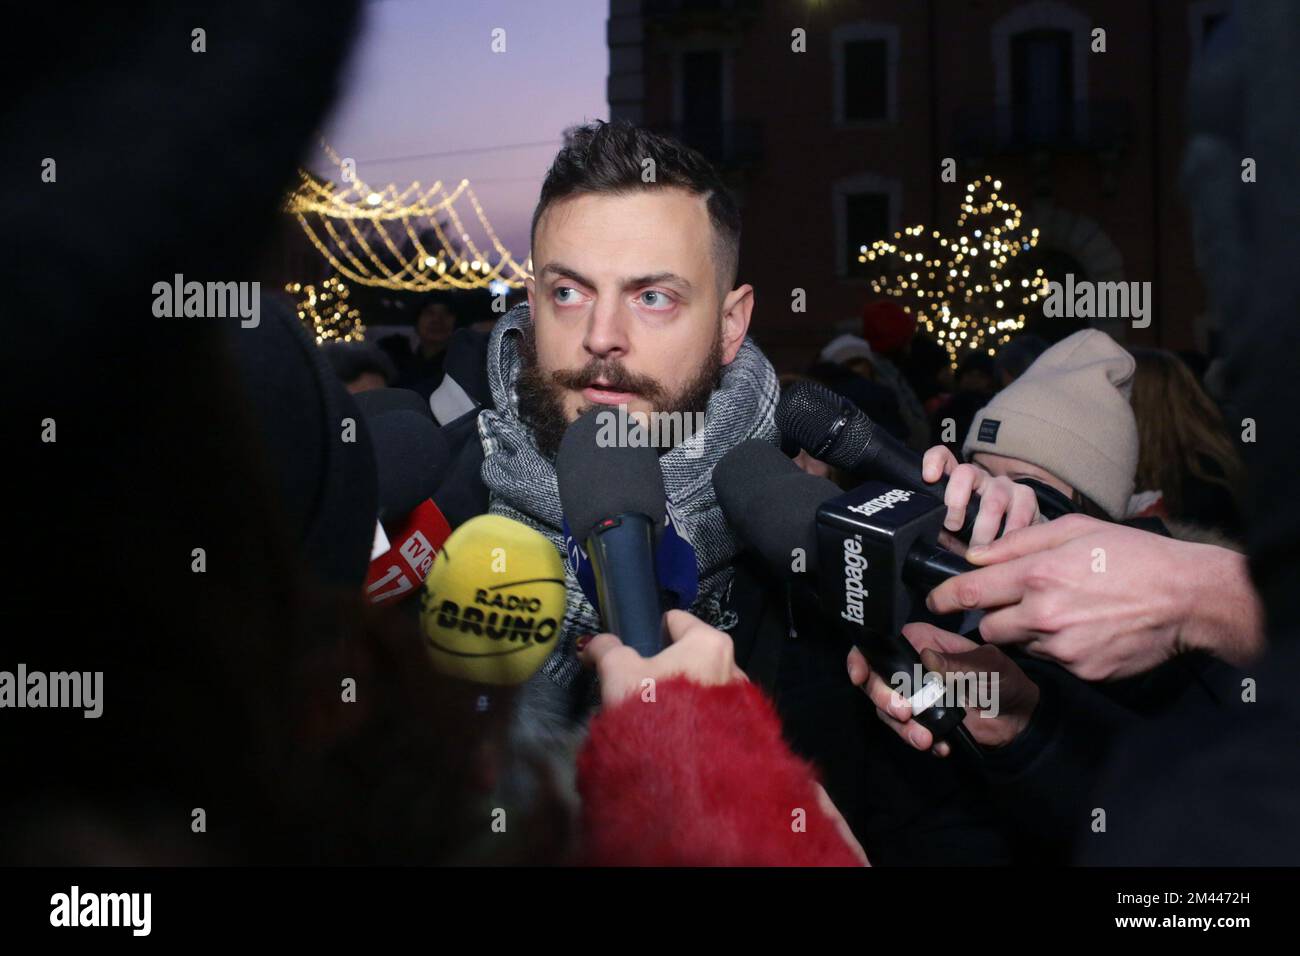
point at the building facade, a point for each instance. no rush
(831, 119)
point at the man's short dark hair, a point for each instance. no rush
(610, 158)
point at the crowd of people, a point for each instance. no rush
(1130, 591)
(1144, 409)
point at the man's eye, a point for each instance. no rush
(655, 300)
(565, 295)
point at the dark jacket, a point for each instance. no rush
(1044, 782)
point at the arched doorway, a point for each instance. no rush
(1056, 264)
(1069, 243)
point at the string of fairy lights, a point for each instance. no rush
(403, 239)
(958, 287)
(410, 239)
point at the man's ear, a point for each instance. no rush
(737, 306)
(530, 285)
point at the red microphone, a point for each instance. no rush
(404, 566)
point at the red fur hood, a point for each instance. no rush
(701, 777)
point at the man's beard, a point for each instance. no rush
(541, 394)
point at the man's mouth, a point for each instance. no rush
(601, 393)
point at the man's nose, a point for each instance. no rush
(607, 330)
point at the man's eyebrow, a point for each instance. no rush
(636, 282)
(564, 272)
(659, 278)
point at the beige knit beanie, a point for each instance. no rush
(1069, 414)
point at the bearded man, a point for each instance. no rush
(634, 302)
(635, 243)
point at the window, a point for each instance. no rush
(865, 69)
(702, 89)
(701, 113)
(1040, 73)
(865, 208)
(866, 218)
(1042, 101)
(866, 81)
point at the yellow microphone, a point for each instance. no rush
(493, 604)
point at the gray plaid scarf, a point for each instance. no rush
(523, 484)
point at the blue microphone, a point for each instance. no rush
(614, 504)
(676, 567)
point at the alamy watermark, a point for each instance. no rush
(61, 689)
(77, 909)
(620, 428)
(976, 690)
(1099, 300)
(208, 300)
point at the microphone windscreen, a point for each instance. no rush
(807, 412)
(462, 494)
(411, 456)
(493, 603)
(377, 401)
(771, 503)
(600, 475)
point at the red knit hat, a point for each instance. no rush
(887, 327)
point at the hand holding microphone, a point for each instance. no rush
(987, 507)
(945, 653)
(1160, 597)
(697, 651)
(832, 429)
(863, 553)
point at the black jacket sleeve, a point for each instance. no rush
(1040, 782)
(1043, 782)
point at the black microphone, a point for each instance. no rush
(862, 552)
(614, 502)
(411, 456)
(832, 429)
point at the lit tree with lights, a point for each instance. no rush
(325, 312)
(961, 287)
